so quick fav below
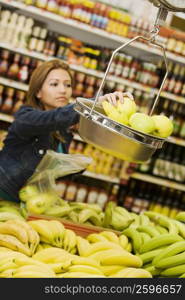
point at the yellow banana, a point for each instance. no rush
(69, 239)
(110, 270)
(82, 245)
(133, 234)
(129, 247)
(32, 274)
(13, 243)
(123, 241)
(15, 230)
(85, 268)
(8, 273)
(180, 216)
(85, 261)
(43, 229)
(33, 237)
(60, 267)
(132, 273)
(43, 269)
(7, 263)
(52, 255)
(125, 259)
(79, 275)
(102, 246)
(23, 261)
(58, 211)
(110, 236)
(96, 237)
(4, 216)
(58, 231)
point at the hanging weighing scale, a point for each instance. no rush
(114, 138)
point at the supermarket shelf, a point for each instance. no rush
(176, 141)
(14, 84)
(101, 177)
(95, 73)
(6, 118)
(89, 32)
(160, 181)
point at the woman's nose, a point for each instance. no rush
(62, 88)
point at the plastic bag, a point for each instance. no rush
(42, 184)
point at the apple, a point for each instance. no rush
(163, 126)
(142, 122)
(28, 192)
(119, 117)
(39, 203)
(128, 106)
(108, 107)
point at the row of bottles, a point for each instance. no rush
(176, 112)
(11, 99)
(168, 163)
(102, 163)
(112, 20)
(86, 192)
(3, 134)
(141, 196)
(17, 67)
(175, 81)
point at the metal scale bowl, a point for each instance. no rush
(114, 138)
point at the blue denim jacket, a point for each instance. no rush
(28, 139)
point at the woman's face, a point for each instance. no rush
(56, 89)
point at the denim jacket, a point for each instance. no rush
(28, 139)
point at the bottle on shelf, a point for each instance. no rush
(4, 63)
(14, 67)
(8, 101)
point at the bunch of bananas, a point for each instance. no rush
(19, 236)
(53, 232)
(9, 210)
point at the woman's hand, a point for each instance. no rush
(112, 98)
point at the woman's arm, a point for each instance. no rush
(30, 121)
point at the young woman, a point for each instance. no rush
(43, 123)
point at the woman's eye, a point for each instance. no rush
(54, 84)
(68, 85)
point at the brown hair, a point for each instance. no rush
(38, 77)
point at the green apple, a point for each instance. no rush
(39, 203)
(163, 126)
(118, 117)
(142, 122)
(108, 107)
(28, 192)
(128, 106)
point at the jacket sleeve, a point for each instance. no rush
(32, 122)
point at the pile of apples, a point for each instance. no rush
(126, 114)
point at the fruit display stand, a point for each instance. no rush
(80, 229)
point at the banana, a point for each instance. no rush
(79, 275)
(145, 237)
(159, 241)
(132, 273)
(151, 231)
(180, 216)
(161, 229)
(129, 247)
(181, 227)
(85, 269)
(101, 246)
(163, 221)
(23, 261)
(144, 220)
(15, 230)
(133, 234)
(125, 259)
(122, 273)
(31, 274)
(43, 229)
(152, 270)
(85, 261)
(69, 240)
(8, 273)
(7, 263)
(73, 216)
(123, 241)
(108, 213)
(11, 209)
(89, 214)
(52, 255)
(123, 211)
(182, 276)
(136, 221)
(173, 249)
(120, 222)
(110, 270)
(58, 231)
(99, 255)
(14, 244)
(4, 216)
(33, 237)
(38, 268)
(177, 270)
(59, 267)
(8, 204)
(95, 237)
(110, 236)
(171, 261)
(148, 256)
(82, 245)
(58, 211)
